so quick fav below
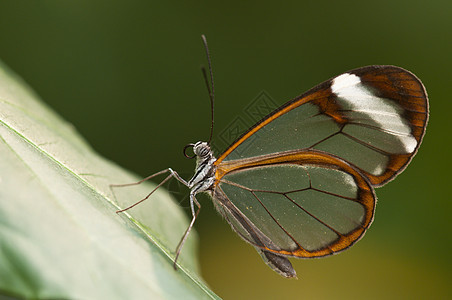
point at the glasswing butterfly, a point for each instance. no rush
(300, 182)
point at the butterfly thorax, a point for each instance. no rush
(205, 169)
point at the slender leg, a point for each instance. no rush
(173, 174)
(184, 237)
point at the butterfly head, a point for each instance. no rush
(201, 150)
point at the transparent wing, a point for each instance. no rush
(299, 203)
(250, 233)
(373, 117)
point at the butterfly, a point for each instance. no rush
(300, 182)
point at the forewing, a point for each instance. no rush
(300, 203)
(373, 117)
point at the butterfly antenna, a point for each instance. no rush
(210, 87)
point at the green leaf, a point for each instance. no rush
(59, 234)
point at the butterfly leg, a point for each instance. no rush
(193, 201)
(171, 175)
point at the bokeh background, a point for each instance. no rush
(127, 75)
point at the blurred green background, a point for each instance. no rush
(126, 75)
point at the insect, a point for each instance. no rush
(300, 182)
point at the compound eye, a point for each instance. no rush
(204, 152)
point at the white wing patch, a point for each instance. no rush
(384, 112)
